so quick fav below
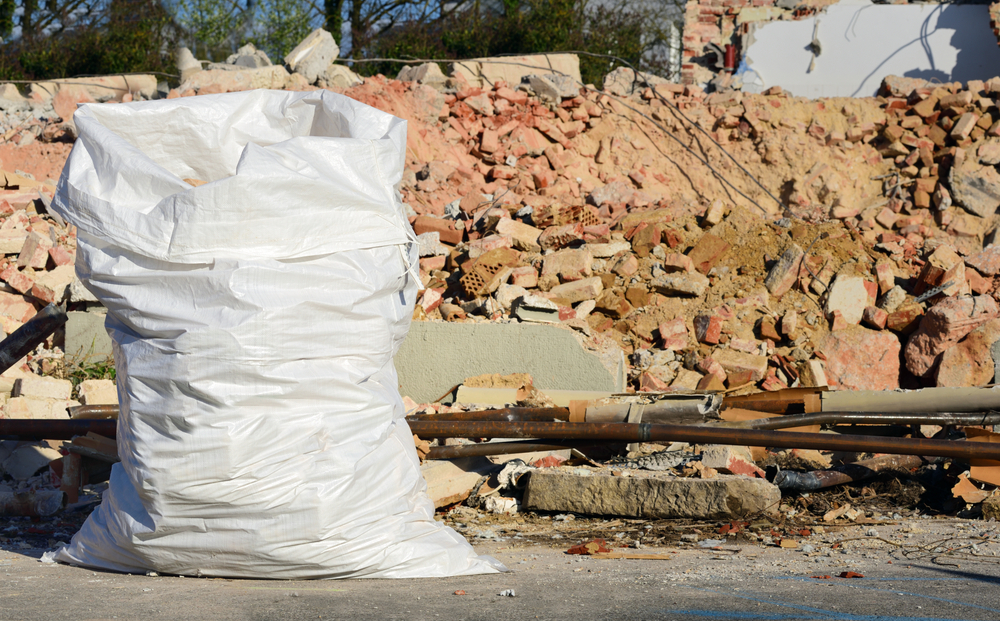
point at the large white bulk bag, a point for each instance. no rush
(254, 320)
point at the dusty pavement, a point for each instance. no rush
(919, 569)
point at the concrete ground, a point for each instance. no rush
(920, 570)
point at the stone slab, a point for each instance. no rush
(436, 357)
(651, 495)
(86, 338)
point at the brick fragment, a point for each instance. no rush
(708, 329)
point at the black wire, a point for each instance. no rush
(636, 80)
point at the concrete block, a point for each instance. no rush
(79, 293)
(483, 72)
(437, 356)
(42, 388)
(313, 55)
(730, 460)
(86, 338)
(98, 392)
(647, 494)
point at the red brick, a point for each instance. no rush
(708, 329)
(61, 256)
(20, 281)
(429, 224)
(707, 252)
(874, 317)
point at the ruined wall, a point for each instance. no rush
(733, 22)
(727, 21)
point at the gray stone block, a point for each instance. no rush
(437, 356)
(648, 494)
(86, 338)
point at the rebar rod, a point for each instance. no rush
(870, 418)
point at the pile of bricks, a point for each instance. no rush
(529, 239)
(573, 208)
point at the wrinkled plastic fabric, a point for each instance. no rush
(254, 321)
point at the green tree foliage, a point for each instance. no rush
(58, 38)
(636, 33)
(77, 38)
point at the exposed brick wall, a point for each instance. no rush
(729, 21)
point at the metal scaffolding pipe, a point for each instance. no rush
(500, 414)
(502, 448)
(55, 429)
(29, 336)
(643, 432)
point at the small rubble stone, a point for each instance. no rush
(707, 252)
(861, 359)
(893, 299)
(525, 236)
(737, 362)
(707, 329)
(730, 460)
(688, 284)
(98, 392)
(785, 272)
(565, 265)
(970, 361)
(943, 326)
(986, 262)
(874, 317)
(579, 290)
(848, 295)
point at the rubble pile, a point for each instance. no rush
(617, 213)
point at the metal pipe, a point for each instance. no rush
(83, 412)
(643, 432)
(848, 473)
(500, 448)
(55, 429)
(870, 418)
(29, 336)
(504, 414)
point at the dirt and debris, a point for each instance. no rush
(608, 215)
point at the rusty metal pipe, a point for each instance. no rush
(94, 411)
(55, 429)
(503, 448)
(870, 418)
(500, 414)
(643, 432)
(848, 473)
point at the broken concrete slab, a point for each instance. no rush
(645, 494)
(86, 338)
(436, 357)
(512, 69)
(313, 55)
(451, 481)
(28, 459)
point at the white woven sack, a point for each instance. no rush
(254, 320)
